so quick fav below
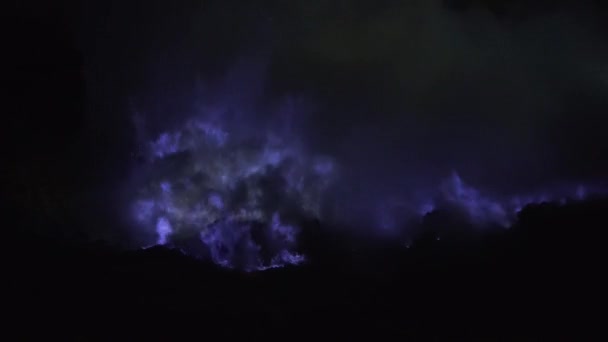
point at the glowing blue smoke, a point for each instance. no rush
(203, 181)
(485, 210)
(240, 197)
(232, 195)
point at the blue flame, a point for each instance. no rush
(163, 229)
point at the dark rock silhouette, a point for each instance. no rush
(530, 280)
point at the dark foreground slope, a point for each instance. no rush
(540, 278)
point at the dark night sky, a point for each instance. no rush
(416, 77)
(510, 94)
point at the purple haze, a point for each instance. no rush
(239, 182)
(202, 180)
